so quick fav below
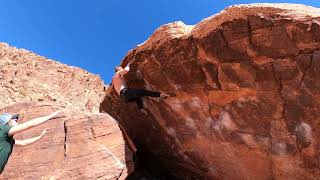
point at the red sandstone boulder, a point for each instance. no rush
(77, 146)
(247, 88)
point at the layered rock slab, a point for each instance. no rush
(77, 146)
(247, 94)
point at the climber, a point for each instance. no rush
(131, 94)
(9, 127)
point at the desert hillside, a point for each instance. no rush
(81, 143)
(26, 76)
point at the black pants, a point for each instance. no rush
(135, 95)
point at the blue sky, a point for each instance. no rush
(96, 34)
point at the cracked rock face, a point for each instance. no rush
(77, 146)
(81, 144)
(247, 88)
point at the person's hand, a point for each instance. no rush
(44, 132)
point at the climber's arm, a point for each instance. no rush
(29, 124)
(29, 141)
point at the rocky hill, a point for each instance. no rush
(26, 76)
(81, 143)
(247, 85)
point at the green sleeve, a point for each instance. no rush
(4, 130)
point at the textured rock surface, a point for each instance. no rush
(26, 76)
(77, 146)
(247, 95)
(84, 144)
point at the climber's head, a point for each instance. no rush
(9, 119)
(13, 120)
(118, 68)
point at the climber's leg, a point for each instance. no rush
(138, 93)
(139, 103)
(129, 96)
